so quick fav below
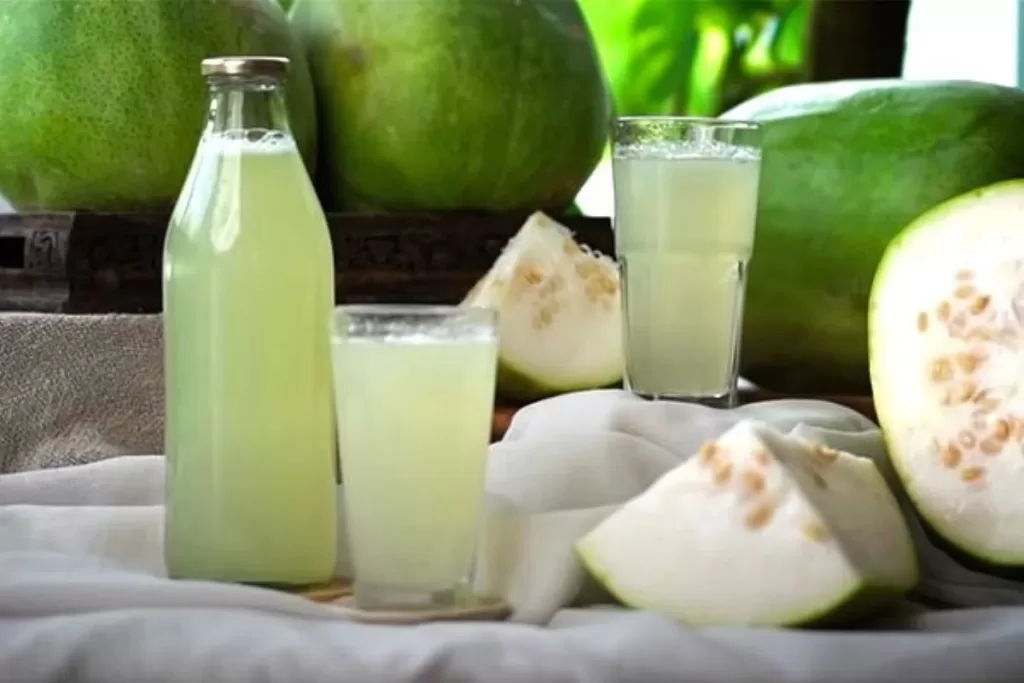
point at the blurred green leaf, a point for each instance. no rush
(660, 69)
(789, 48)
(697, 57)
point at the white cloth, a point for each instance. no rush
(83, 598)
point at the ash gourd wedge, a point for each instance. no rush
(758, 528)
(847, 165)
(947, 368)
(559, 313)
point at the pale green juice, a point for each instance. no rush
(414, 420)
(684, 234)
(250, 430)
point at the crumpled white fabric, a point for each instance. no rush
(81, 576)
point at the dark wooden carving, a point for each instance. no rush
(110, 263)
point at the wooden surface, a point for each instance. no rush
(862, 404)
(111, 263)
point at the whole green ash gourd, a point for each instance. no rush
(430, 105)
(846, 166)
(102, 102)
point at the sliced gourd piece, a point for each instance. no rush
(559, 310)
(946, 322)
(757, 528)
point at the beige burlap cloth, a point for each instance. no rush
(75, 389)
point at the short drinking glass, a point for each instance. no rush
(414, 393)
(685, 205)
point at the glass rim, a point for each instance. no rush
(359, 321)
(698, 120)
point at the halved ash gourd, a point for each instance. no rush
(946, 325)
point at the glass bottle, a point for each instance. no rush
(248, 286)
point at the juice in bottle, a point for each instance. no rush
(248, 293)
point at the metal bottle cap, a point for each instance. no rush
(269, 67)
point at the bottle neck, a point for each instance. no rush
(247, 105)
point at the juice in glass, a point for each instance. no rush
(414, 399)
(685, 208)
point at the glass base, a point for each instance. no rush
(726, 400)
(285, 587)
(279, 586)
(372, 597)
(467, 608)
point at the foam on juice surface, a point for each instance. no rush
(434, 337)
(409, 330)
(687, 149)
(249, 141)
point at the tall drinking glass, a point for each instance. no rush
(414, 393)
(685, 205)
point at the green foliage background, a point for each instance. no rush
(697, 57)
